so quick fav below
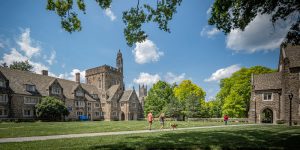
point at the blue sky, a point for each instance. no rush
(193, 50)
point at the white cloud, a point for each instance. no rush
(146, 78)
(150, 79)
(71, 76)
(209, 32)
(259, 35)
(146, 52)
(51, 59)
(223, 73)
(172, 78)
(14, 55)
(25, 44)
(26, 53)
(1, 45)
(110, 14)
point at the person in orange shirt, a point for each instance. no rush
(150, 119)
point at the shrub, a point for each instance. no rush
(51, 109)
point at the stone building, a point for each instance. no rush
(102, 97)
(270, 96)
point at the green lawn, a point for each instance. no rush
(10, 129)
(248, 137)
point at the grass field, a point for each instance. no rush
(247, 137)
(10, 129)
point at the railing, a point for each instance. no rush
(218, 119)
(244, 120)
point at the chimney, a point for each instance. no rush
(77, 77)
(45, 72)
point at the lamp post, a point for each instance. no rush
(290, 97)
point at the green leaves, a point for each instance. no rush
(235, 91)
(51, 108)
(227, 15)
(104, 3)
(133, 18)
(158, 97)
(20, 65)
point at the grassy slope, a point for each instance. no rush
(250, 137)
(8, 129)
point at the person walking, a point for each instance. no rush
(226, 119)
(162, 120)
(150, 119)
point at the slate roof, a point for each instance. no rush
(267, 81)
(18, 79)
(126, 95)
(293, 54)
(112, 91)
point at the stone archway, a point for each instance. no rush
(122, 116)
(267, 116)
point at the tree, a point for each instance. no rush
(237, 14)
(235, 91)
(158, 97)
(21, 65)
(134, 18)
(211, 109)
(190, 96)
(173, 108)
(51, 108)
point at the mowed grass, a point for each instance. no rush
(239, 137)
(24, 129)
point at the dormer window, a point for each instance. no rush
(56, 90)
(30, 88)
(79, 93)
(2, 83)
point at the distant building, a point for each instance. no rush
(270, 101)
(102, 97)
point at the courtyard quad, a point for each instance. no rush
(27, 129)
(250, 137)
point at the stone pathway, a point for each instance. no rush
(40, 138)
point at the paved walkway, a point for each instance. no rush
(40, 138)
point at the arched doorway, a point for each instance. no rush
(122, 116)
(267, 116)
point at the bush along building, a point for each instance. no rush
(275, 96)
(102, 97)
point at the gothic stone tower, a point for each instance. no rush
(142, 94)
(105, 76)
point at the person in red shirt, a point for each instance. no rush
(150, 119)
(226, 119)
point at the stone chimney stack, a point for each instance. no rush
(45, 72)
(77, 77)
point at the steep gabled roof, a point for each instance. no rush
(112, 91)
(267, 81)
(17, 80)
(126, 95)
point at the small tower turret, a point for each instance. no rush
(142, 94)
(119, 62)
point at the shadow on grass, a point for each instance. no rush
(214, 139)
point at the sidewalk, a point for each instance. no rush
(41, 138)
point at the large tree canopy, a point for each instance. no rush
(134, 18)
(158, 97)
(235, 91)
(237, 14)
(191, 97)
